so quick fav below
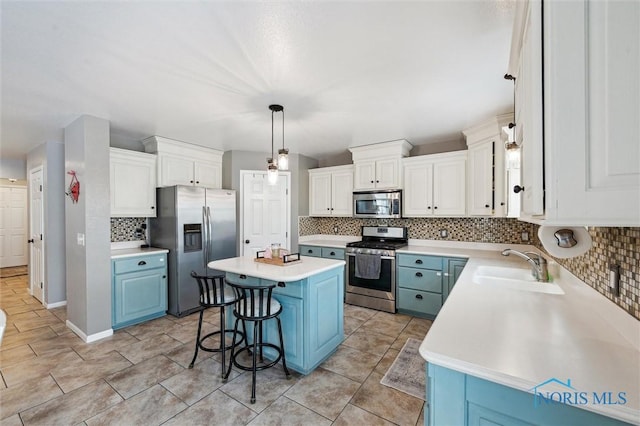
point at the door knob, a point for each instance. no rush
(247, 241)
(518, 188)
(30, 241)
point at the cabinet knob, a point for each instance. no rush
(377, 181)
(518, 188)
(419, 261)
(142, 263)
(435, 207)
(502, 203)
(331, 208)
(419, 296)
(164, 276)
(333, 253)
(197, 181)
(190, 181)
(328, 208)
(281, 284)
(247, 241)
(153, 207)
(309, 251)
(429, 208)
(371, 181)
(486, 205)
(418, 274)
(242, 276)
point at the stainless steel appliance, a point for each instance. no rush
(197, 225)
(376, 293)
(378, 204)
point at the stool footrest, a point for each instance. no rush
(248, 349)
(218, 349)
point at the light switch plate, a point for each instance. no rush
(80, 239)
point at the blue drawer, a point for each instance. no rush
(310, 251)
(139, 263)
(420, 279)
(293, 289)
(333, 253)
(421, 302)
(420, 261)
(241, 279)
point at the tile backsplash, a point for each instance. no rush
(620, 246)
(485, 230)
(124, 228)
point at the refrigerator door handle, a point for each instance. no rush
(209, 233)
(205, 237)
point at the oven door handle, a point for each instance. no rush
(381, 257)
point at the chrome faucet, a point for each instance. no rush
(538, 264)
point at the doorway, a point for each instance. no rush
(13, 226)
(265, 212)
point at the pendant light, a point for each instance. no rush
(283, 154)
(511, 144)
(272, 167)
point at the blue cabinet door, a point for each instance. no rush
(139, 296)
(453, 268)
(293, 324)
(326, 320)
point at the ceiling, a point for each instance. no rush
(348, 73)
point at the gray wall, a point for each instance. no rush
(50, 156)
(235, 161)
(13, 169)
(88, 266)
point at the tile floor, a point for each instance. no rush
(140, 375)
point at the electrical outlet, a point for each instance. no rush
(444, 233)
(524, 236)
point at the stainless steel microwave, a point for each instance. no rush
(378, 204)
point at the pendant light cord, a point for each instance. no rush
(272, 136)
(283, 128)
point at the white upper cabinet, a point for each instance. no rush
(435, 185)
(587, 85)
(180, 163)
(379, 166)
(132, 183)
(486, 175)
(331, 191)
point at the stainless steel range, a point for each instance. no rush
(371, 267)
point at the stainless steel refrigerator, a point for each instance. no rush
(197, 225)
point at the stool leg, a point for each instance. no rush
(253, 365)
(261, 357)
(284, 358)
(226, 375)
(195, 355)
(223, 338)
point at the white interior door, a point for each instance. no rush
(13, 226)
(265, 212)
(36, 234)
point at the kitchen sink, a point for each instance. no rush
(513, 278)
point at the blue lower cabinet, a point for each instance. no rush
(455, 398)
(139, 289)
(310, 250)
(312, 319)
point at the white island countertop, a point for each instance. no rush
(521, 339)
(307, 267)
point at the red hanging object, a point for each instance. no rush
(74, 187)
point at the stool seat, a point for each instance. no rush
(254, 304)
(215, 294)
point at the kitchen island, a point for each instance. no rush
(311, 294)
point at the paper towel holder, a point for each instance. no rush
(565, 238)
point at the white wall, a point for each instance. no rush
(13, 169)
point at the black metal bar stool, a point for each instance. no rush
(214, 294)
(255, 304)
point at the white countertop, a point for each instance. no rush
(135, 251)
(521, 339)
(339, 241)
(307, 267)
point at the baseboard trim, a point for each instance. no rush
(91, 337)
(55, 305)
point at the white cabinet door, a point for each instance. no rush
(387, 174)
(418, 190)
(320, 194)
(481, 178)
(364, 175)
(133, 184)
(449, 186)
(342, 193)
(175, 171)
(528, 117)
(207, 174)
